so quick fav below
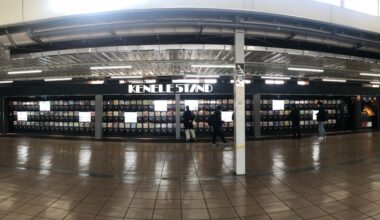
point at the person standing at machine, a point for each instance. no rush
(188, 119)
(321, 118)
(217, 124)
(295, 118)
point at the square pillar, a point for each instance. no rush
(239, 104)
(98, 116)
(178, 117)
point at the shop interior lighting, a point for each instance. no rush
(110, 67)
(247, 81)
(303, 83)
(275, 77)
(274, 82)
(370, 74)
(305, 70)
(126, 77)
(334, 80)
(24, 72)
(375, 82)
(150, 81)
(185, 81)
(57, 79)
(6, 82)
(214, 66)
(97, 82)
(210, 81)
(202, 76)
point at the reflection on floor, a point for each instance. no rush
(289, 179)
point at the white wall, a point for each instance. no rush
(19, 11)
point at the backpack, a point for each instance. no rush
(211, 120)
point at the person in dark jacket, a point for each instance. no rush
(218, 126)
(188, 119)
(295, 117)
(321, 118)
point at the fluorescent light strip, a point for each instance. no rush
(303, 83)
(150, 81)
(24, 72)
(58, 79)
(275, 77)
(275, 82)
(6, 82)
(334, 80)
(211, 81)
(185, 81)
(375, 82)
(110, 67)
(370, 74)
(202, 76)
(305, 70)
(126, 77)
(247, 81)
(214, 66)
(97, 82)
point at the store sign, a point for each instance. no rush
(170, 88)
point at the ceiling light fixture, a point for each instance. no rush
(334, 80)
(6, 82)
(275, 77)
(110, 67)
(202, 76)
(97, 82)
(213, 66)
(185, 81)
(126, 77)
(24, 72)
(150, 81)
(275, 82)
(210, 81)
(303, 83)
(370, 74)
(57, 79)
(305, 70)
(375, 82)
(247, 81)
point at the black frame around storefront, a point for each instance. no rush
(255, 91)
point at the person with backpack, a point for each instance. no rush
(295, 118)
(321, 118)
(217, 125)
(188, 119)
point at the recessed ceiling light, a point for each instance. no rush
(202, 76)
(303, 83)
(213, 66)
(370, 74)
(334, 80)
(24, 72)
(110, 67)
(305, 70)
(126, 77)
(275, 77)
(275, 82)
(57, 79)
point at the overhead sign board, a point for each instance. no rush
(169, 88)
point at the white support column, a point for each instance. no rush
(239, 103)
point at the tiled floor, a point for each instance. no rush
(289, 179)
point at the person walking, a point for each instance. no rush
(188, 119)
(217, 125)
(295, 118)
(321, 118)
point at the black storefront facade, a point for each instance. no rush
(108, 103)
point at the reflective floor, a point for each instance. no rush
(338, 178)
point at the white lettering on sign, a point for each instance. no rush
(170, 88)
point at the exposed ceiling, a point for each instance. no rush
(176, 60)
